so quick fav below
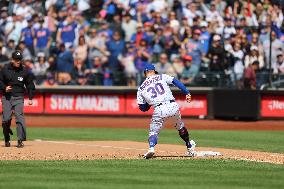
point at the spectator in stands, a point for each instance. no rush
(194, 48)
(64, 65)
(255, 42)
(175, 44)
(229, 28)
(96, 72)
(277, 46)
(108, 76)
(40, 68)
(105, 30)
(97, 45)
(10, 48)
(66, 31)
(115, 25)
(190, 11)
(237, 52)
(184, 24)
(142, 57)
(148, 31)
(3, 23)
(278, 68)
(81, 51)
(79, 74)
(253, 56)
(27, 35)
(127, 61)
(189, 72)
(174, 23)
(158, 44)
(50, 81)
(250, 75)
(178, 65)
(116, 47)
(42, 40)
(164, 67)
(212, 14)
(25, 51)
(13, 29)
(3, 58)
(51, 65)
(23, 10)
(205, 36)
(168, 37)
(129, 26)
(51, 21)
(139, 35)
(216, 55)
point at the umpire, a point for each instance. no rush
(14, 79)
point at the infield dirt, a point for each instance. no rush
(91, 150)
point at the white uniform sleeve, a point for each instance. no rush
(168, 79)
(140, 99)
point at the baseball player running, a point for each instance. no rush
(155, 91)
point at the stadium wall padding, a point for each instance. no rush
(121, 101)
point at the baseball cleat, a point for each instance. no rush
(7, 144)
(149, 154)
(191, 151)
(20, 144)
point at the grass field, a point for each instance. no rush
(188, 173)
(129, 174)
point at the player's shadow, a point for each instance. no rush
(171, 156)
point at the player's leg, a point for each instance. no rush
(155, 127)
(6, 120)
(18, 104)
(183, 133)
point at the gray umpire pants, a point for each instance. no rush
(8, 105)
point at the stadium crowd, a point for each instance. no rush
(108, 42)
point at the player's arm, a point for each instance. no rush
(144, 107)
(142, 104)
(184, 90)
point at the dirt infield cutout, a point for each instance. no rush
(90, 150)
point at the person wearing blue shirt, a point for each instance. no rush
(115, 46)
(27, 35)
(65, 61)
(204, 37)
(195, 48)
(66, 32)
(42, 39)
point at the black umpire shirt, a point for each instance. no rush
(19, 79)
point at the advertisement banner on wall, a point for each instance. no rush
(197, 107)
(132, 107)
(272, 106)
(36, 108)
(84, 104)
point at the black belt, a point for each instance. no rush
(163, 103)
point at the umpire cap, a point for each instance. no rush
(149, 67)
(17, 55)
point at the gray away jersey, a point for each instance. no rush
(155, 89)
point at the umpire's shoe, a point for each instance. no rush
(20, 144)
(7, 144)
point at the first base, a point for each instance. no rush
(207, 153)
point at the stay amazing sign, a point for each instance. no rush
(84, 104)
